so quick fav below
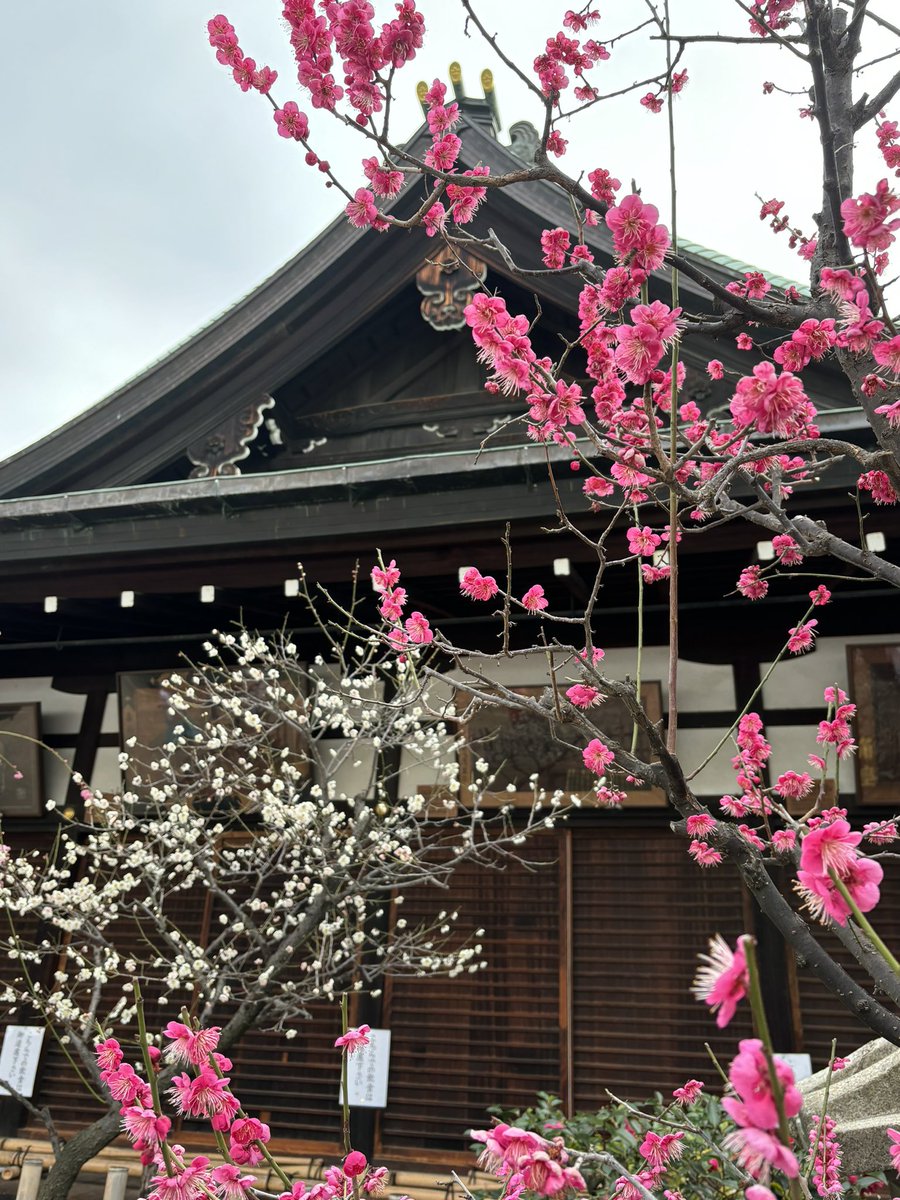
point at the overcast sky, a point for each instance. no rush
(144, 193)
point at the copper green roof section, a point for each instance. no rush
(739, 268)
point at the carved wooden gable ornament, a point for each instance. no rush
(448, 280)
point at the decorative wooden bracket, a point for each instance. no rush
(218, 452)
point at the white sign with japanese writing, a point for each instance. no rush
(367, 1071)
(19, 1057)
(800, 1064)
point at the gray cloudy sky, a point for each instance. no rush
(144, 192)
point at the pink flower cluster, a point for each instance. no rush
(555, 247)
(442, 156)
(879, 487)
(503, 342)
(754, 286)
(826, 1154)
(801, 637)
(889, 144)
(770, 15)
(786, 550)
(771, 403)
(859, 328)
(603, 185)
(244, 70)
(881, 833)
(144, 1126)
(811, 341)
(658, 1151)
(346, 30)
(703, 854)
(415, 630)
(836, 731)
(477, 586)
(562, 51)
(866, 218)
(753, 754)
(638, 238)
(829, 853)
(751, 583)
(527, 1161)
(643, 342)
(754, 1110)
(203, 1091)
(688, 1093)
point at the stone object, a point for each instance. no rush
(863, 1100)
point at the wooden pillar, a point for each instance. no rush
(88, 738)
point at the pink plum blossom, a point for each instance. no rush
(534, 599)
(597, 756)
(829, 851)
(582, 696)
(866, 216)
(188, 1045)
(700, 824)
(802, 637)
(771, 403)
(688, 1093)
(661, 1149)
(721, 981)
(703, 854)
(291, 122)
(355, 1164)
(354, 1039)
(642, 541)
(418, 629)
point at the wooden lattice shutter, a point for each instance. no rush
(461, 1044)
(642, 911)
(294, 1084)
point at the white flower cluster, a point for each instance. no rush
(261, 854)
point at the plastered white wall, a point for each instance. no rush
(800, 682)
(693, 747)
(702, 687)
(61, 714)
(794, 683)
